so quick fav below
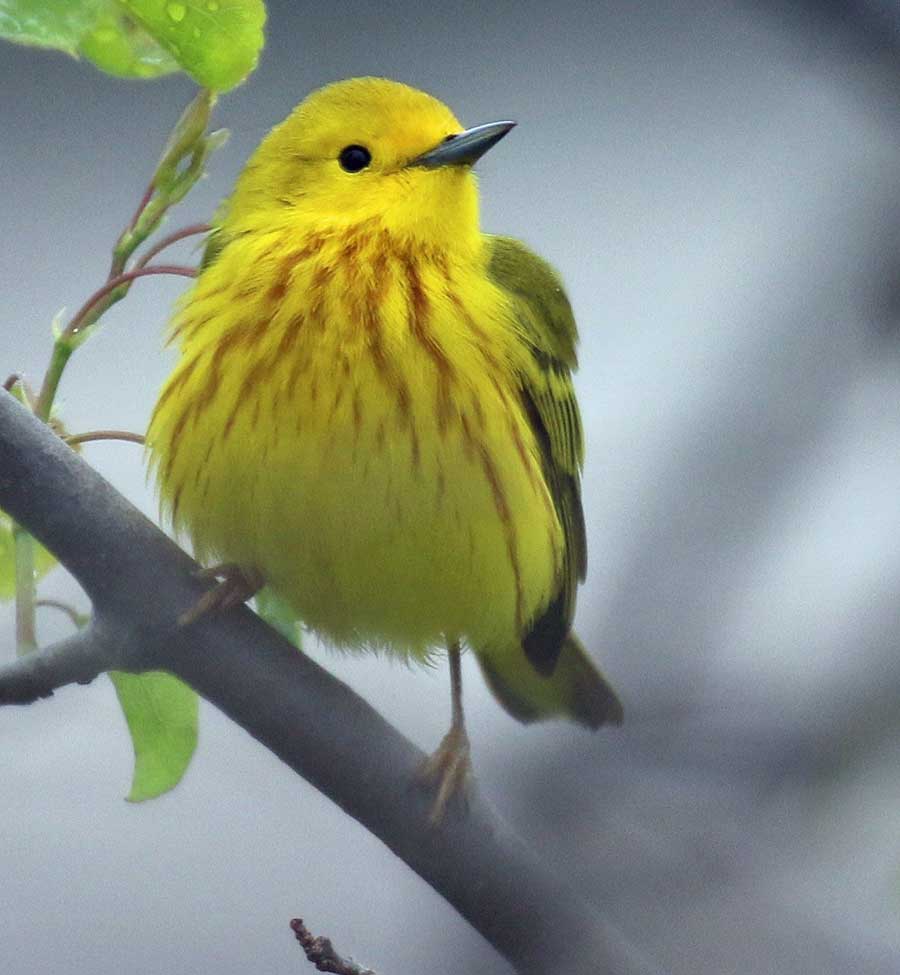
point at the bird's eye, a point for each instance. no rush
(354, 158)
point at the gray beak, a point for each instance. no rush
(464, 148)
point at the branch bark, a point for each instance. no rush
(139, 582)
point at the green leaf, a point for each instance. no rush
(161, 713)
(100, 30)
(118, 45)
(279, 615)
(59, 24)
(43, 560)
(217, 42)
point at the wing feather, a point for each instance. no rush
(548, 328)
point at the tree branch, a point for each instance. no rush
(139, 582)
(320, 952)
(76, 660)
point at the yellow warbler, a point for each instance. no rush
(373, 414)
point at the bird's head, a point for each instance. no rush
(368, 148)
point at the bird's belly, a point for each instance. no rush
(389, 521)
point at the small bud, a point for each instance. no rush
(185, 138)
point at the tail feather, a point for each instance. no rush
(575, 690)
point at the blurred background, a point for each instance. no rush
(718, 183)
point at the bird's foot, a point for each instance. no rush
(449, 770)
(234, 586)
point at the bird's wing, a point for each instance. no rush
(548, 329)
(216, 240)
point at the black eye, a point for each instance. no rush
(354, 158)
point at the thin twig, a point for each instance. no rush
(78, 659)
(320, 951)
(173, 238)
(23, 561)
(145, 199)
(126, 277)
(93, 435)
(70, 611)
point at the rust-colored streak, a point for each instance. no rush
(501, 506)
(290, 333)
(467, 317)
(478, 411)
(415, 448)
(176, 502)
(247, 291)
(392, 378)
(320, 279)
(248, 392)
(527, 461)
(355, 244)
(419, 314)
(175, 442)
(175, 384)
(468, 439)
(483, 342)
(357, 415)
(380, 268)
(186, 326)
(310, 248)
(232, 416)
(278, 288)
(444, 407)
(441, 484)
(213, 379)
(404, 400)
(336, 403)
(420, 308)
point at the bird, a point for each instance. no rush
(372, 411)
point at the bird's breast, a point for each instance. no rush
(358, 438)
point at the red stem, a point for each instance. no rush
(145, 199)
(127, 276)
(93, 435)
(194, 228)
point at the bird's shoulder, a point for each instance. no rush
(541, 304)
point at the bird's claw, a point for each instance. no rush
(450, 770)
(234, 586)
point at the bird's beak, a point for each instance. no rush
(464, 148)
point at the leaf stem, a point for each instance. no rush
(91, 310)
(78, 328)
(93, 435)
(78, 620)
(189, 231)
(26, 631)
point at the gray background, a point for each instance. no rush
(718, 183)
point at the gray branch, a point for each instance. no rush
(139, 582)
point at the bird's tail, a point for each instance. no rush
(575, 690)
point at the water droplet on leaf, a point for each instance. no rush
(176, 11)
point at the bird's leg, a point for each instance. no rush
(235, 586)
(450, 768)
